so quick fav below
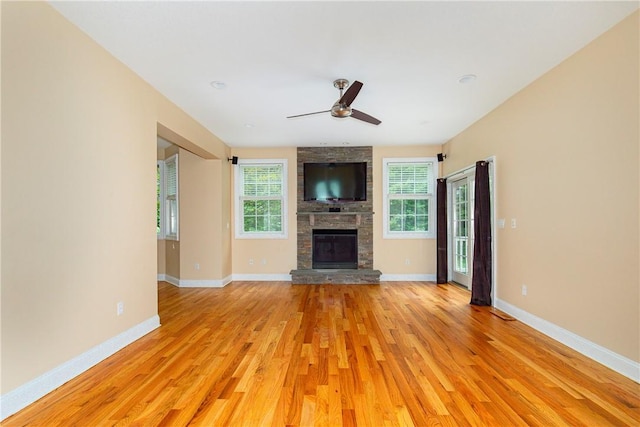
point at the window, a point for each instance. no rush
(261, 199)
(409, 198)
(167, 221)
(160, 199)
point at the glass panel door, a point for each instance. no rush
(462, 226)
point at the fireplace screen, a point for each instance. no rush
(335, 249)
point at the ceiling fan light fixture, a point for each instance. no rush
(341, 111)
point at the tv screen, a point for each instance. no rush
(335, 182)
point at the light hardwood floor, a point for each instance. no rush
(398, 354)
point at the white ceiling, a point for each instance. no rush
(280, 58)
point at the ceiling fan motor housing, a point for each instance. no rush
(340, 110)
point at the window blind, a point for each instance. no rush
(171, 177)
(262, 181)
(409, 178)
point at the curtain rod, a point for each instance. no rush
(467, 169)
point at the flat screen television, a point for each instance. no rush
(335, 182)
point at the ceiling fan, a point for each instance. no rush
(342, 107)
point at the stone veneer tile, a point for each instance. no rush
(353, 215)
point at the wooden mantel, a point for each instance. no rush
(312, 218)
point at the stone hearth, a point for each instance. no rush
(338, 277)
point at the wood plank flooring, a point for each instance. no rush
(398, 354)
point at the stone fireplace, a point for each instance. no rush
(332, 222)
(334, 249)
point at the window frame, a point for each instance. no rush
(239, 197)
(167, 199)
(430, 197)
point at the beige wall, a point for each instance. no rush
(208, 238)
(567, 171)
(78, 198)
(390, 256)
(270, 256)
(162, 257)
(172, 258)
(200, 219)
(75, 239)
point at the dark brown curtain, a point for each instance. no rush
(441, 232)
(481, 282)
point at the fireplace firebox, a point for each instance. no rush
(334, 249)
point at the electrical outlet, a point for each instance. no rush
(524, 290)
(264, 261)
(513, 223)
(119, 308)
(250, 261)
(501, 223)
(407, 261)
(196, 266)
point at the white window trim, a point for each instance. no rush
(386, 234)
(166, 219)
(239, 234)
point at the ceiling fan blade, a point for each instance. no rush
(308, 114)
(351, 93)
(364, 117)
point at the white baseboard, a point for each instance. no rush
(26, 394)
(608, 358)
(169, 279)
(262, 277)
(184, 283)
(408, 277)
(278, 278)
(287, 278)
(201, 283)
